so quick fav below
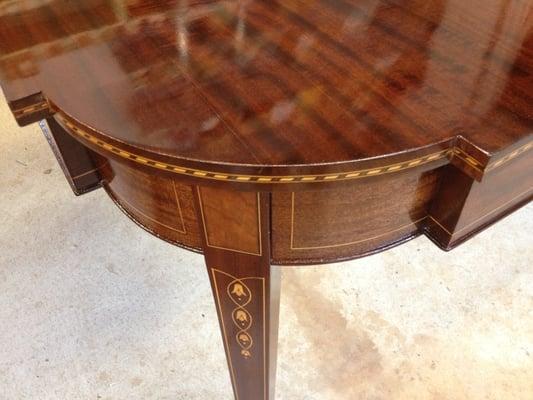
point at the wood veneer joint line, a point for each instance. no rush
(215, 110)
(259, 227)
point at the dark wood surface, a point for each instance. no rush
(281, 132)
(295, 87)
(77, 161)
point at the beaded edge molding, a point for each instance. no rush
(363, 173)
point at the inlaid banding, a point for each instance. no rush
(21, 112)
(350, 175)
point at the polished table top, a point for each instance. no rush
(280, 87)
(281, 132)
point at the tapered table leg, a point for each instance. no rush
(246, 290)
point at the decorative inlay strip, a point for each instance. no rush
(219, 176)
(467, 158)
(511, 156)
(30, 109)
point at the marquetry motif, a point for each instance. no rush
(241, 295)
(241, 298)
(242, 309)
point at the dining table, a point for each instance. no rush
(268, 132)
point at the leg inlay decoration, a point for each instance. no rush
(241, 296)
(241, 308)
(245, 288)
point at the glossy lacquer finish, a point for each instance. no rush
(279, 84)
(281, 132)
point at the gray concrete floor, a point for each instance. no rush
(92, 307)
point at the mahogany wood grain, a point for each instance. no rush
(331, 225)
(278, 88)
(281, 132)
(240, 211)
(162, 206)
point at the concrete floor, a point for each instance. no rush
(92, 307)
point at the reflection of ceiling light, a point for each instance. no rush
(281, 112)
(8, 7)
(183, 39)
(210, 124)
